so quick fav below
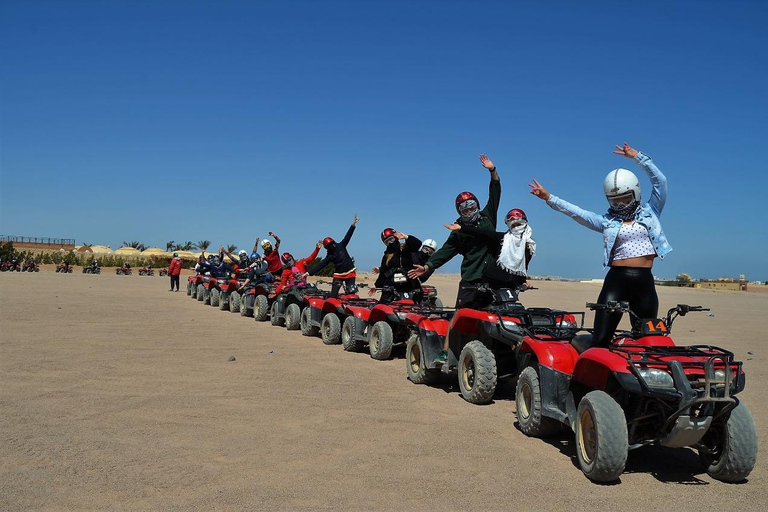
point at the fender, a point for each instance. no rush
(596, 364)
(358, 312)
(557, 355)
(332, 306)
(381, 312)
(465, 321)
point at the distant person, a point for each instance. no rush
(345, 271)
(174, 271)
(632, 239)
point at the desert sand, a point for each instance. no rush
(118, 395)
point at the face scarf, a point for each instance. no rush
(512, 255)
(624, 211)
(472, 217)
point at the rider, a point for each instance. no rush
(421, 257)
(476, 255)
(242, 261)
(217, 267)
(513, 253)
(344, 266)
(632, 239)
(294, 271)
(257, 272)
(272, 255)
(397, 260)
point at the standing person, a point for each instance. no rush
(395, 264)
(344, 267)
(632, 239)
(174, 271)
(477, 253)
(514, 250)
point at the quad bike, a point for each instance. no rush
(123, 271)
(286, 308)
(641, 389)
(164, 272)
(209, 293)
(64, 268)
(381, 326)
(30, 267)
(483, 343)
(323, 314)
(91, 270)
(430, 296)
(192, 284)
(254, 301)
(229, 296)
(146, 271)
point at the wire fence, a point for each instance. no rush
(37, 240)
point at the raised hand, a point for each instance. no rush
(487, 163)
(539, 191)
(417, 271)
(271, 234)
(357, 219)
(453, 227)
(400, 236)
(626, 151)
(375, 270)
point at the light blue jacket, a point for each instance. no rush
(647, 214)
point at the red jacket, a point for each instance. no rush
(299, 267)
(174, 268)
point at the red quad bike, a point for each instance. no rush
(381, 326)
(192, 285)
(164, 272)
(123, 271)
(287, 307)
(641, 389)
(483, 343)
(30, 267)
(430, 296)
(146, 271)
(255, 301)
(211, 290)
(229, 299)
(323, 314)
(64, 269)
(91, 270)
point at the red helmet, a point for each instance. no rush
(287, 258)
(463, 197)
(388, 236)
(515, 214)
(328, 241)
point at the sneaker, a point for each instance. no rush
(441, 358)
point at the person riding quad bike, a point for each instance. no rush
(217, 267)
(397, 259)
(272, 255)
(421, 257)
(344, 267)
(294, 271)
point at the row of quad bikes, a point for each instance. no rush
(143, 271)
(15, 266)
(641, 389)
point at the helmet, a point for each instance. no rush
(429, 244)
(515, 217)
(388, 236)
(242, 253)
(328, 241)
(287, 259)
(216, 260)
(467, 206)
(210, 257)
(266, 245)
(621, 187)
(175, 255)
(255, 256)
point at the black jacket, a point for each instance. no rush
(398, 259)
(342, 261)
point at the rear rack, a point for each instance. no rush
(541, 324)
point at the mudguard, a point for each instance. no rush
(595, 365)
(432, 335)
(557, 355)
(358, 312)
(466, 321)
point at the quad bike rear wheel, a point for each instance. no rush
(223, 304)
(477, 373)
(246, 305)
(274, 318)
(193, 290)
(528, 402)
(292, 317)
(189, 287)
(200, 293)
(261, 308)
(330, 328)
(418, 372)
(380, 340)
(729, 448)
(437, 304)
(601, 437)
(234, 302)
(307, 329)
(349, 335)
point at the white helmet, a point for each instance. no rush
(242, 253)
(429, 243)
(621, 187)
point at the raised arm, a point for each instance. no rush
(658, 180)
(277, 240)
(494, 190)
(488, 234)
(350, 231)
(584, 217)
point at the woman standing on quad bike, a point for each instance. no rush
(632, 239)
(477, 254)
(343, 266)
(515, 248)
(397, 261)
(294, 272)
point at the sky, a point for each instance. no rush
(222, 121)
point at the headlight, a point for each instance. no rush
(719, 375)
(656, 378)
(401, 315)
(510, 325)
(566, 323)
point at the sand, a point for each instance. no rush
(118, 395)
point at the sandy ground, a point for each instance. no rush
(118, 395)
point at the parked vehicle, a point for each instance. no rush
(64, 268)
(30, 267)
(324, 314)
(123, 271)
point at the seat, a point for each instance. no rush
(582, 342)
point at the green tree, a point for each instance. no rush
(203, 244)
(169, 246)
(136, 245)
(231, 248)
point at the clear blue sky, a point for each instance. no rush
(157, 121)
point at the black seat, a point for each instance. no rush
(582, 342)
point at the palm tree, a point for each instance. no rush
(188, 246)
(231, 248)
(169, 246)
(203, 244)
(136, 245)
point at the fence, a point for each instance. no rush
(37, 240)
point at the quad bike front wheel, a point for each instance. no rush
(189, 287)
(292, 317)
(728, 450)
(528, 402)
(261, 308)
(234, 302)
(274, 318)
(601, 437)
(307, 329)
(380, 340)
(330, 328)
(418, 372)
(246, 305)
(349, 335)
(223, 304)
(200, 293)
(477, 373)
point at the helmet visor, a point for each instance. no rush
(621, 199)
(388, 240)
(428, 250)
